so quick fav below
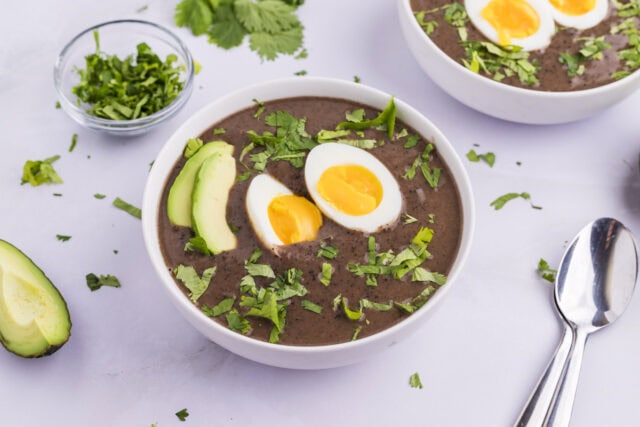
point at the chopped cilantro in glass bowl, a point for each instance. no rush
(123, 77)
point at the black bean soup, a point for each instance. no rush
(553, 75)
(439, 209)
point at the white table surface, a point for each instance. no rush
(132, 360)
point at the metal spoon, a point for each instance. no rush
(594, 284)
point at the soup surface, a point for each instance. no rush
(325, 313)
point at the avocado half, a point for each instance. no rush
(34, 319)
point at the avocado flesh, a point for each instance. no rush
(209, 202)
(34, 320)
(179, 199)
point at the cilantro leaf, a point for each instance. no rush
(182, 414)
(546, 272)
(237, 323)
(197, 244)
(74, 141)
(422, 275)
(365, 303)
(499, 62)
(327, 271)
(311, 306)
(489, 157)
(386, 117)
(38, 172)
(192, 147)
(224, 306)
(226, 31)
(414, 381)
(96, 282)
(63, 238)
(328, 251)
(269, 16)
(99, 196)
(269, 46)
(356, 333)
(192, 281)
(505, 198)
(194, 14)
(266, 307)
(127, 207)
(351, 314)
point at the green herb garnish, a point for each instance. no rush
(427, 26)
(38, 172)
(408, 219)
(237, 323)
(422, 162)
(386, 118)
(591, 49)
(356, 333)
(546, 272)
(63, 238)
(310, 306)
(128, 208)
(197, 244)
(95, 282)
(272, 26)
(502, 200)
(74, 141)
(99, 196)
(221, 308)
(192, 281)
(128, 89)
(182, 414)
(489, 158)
(414, 381)
(219, 131)
(300, 73)
(328, 251)
(327, 271)
(500, 62)
(356, 79)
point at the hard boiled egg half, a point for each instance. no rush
(352, 187)
(525, 23)
(278, 216)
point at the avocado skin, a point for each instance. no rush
(54, 347)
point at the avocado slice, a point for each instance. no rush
(34, 319)
(179, 199)
(209, 200)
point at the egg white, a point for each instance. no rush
(262, 190)
(584, 21)
(331, 154)
(539, 40)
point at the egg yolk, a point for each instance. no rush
(512, 19)
(574, 7)
(351, 189)
(294, 219)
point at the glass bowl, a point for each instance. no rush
(120, 38)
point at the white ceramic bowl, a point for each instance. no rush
(311, 357)
(501, 100)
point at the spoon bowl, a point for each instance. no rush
(593, 287)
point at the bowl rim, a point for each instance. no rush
(405, 6)
(109, 124)
(158, 176)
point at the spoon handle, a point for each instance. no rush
(559, 413)
(535, 411)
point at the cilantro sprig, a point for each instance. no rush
(95, 282)
(272, 26)
(592, 49)
(545, 271)
(500, 62)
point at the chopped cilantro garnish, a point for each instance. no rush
(500, 62)
(356, 333)
(260, 270)
(432, 218)
(272, 25)
(237, 322)
(502, 200)
(303, 54)
(357, 79)
(351, 314)
(62, 237)
(96, 282)
(182, 414)
(414, 381)
(192, 281)
(192, 147)
(58, 106)
(264, 305)
(387, 118)
(328, 251)
(99, 196)
(546, 272)
(591, 49)
(300, 73)
(244, 176)
(38, 172)
(219, 131)
(142, 8)
(74, 141)
(377, 306)
(197, 244)
(57, 194)
(260, 107)
(310, 306)
(489, 158)
(197, 67)
(455, 14)
(431, 175)
(427, 26)
(422, 275)
(327, 271)
(128, 89)
(221, 308)
(412, 141)
(128, 208)
(408, 219)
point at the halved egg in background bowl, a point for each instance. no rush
(501, 100)
(270, 190)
